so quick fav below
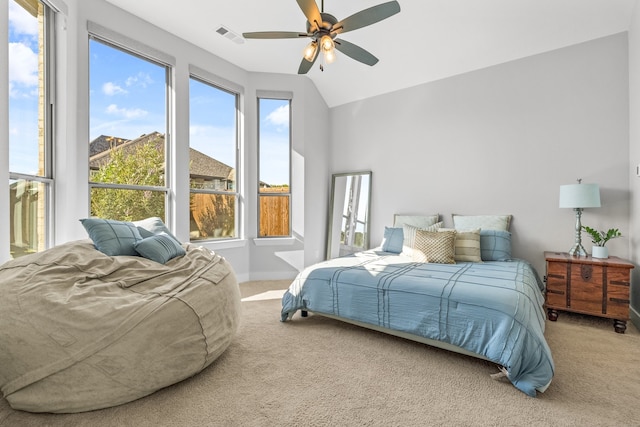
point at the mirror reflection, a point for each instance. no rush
(348, 230)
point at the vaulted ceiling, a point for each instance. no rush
(428, 40)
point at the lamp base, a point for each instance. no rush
(578, 250)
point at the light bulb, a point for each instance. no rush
(310, 51)
(327, 43)
(329, 56)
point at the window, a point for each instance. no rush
(30, 128)
(274, 167)
(128, 122)
(213, 153)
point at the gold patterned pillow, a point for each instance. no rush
(410, 236)
(434, 247)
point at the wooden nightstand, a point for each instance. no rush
(594, 286)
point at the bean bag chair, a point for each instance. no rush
(81, 330)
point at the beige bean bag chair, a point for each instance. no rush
(81, 330)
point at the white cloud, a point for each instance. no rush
(21, 21)
(279, 116)
(140, 79)
(110, 89)
(128, 113)
(23, 65)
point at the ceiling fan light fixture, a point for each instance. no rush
(323, 28)
(328, 49)
(327, 43)
(329, 56)
(310, 51)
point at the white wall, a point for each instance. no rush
(309, 127)
(500, 141)
(634, 159)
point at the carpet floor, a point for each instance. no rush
(317, 371)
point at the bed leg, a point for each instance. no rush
(304, 313)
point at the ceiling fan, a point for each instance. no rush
(323, 28)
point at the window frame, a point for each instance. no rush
(129, 46)
(220, 84)
(48, 83)
(284, 96)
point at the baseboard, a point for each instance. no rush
(634, 317)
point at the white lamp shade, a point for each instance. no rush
(580, 196)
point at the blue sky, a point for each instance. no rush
(23, 91)
(127, 99)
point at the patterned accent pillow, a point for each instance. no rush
(409, 232)
(467, 245)
(112, 237)
(495, 245)
(393, 240)
(434, 247)
(484, 222)
(159, 248)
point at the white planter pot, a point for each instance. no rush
(599, 252)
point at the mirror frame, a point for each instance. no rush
(335, 207)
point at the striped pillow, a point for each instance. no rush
(467, 245)
(159, 248)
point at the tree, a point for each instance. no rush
(141, 165)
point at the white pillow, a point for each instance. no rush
(420, 221)
(485, 222)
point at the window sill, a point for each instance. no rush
(220, 244)
(274, 241)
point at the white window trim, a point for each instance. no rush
(129, 45)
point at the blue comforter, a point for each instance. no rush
(493, 309)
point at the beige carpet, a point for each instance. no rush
(321, 372)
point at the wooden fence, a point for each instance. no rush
(274, 212)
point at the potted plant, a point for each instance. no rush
(599, 239)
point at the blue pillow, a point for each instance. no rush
(393, 240)
(112, 237)
(495, 245)
(159, 248)
(152, 226)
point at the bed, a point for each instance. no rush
(490, 308)
(82, 330)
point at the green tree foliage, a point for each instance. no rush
(141, 165)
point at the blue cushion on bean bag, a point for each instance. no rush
(112, 237)
(159, 248)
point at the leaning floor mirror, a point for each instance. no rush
(349, 207)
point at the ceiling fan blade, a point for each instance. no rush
(273, 35)
(311, 11)
(305, 65)
(366, 17)
(355, 52)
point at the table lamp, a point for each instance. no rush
(579, 196)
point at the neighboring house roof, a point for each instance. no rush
(104, 143)
(201, 165)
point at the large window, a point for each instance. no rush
(30, 127)
(128, 123)
(274, 167)
(213, 148)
